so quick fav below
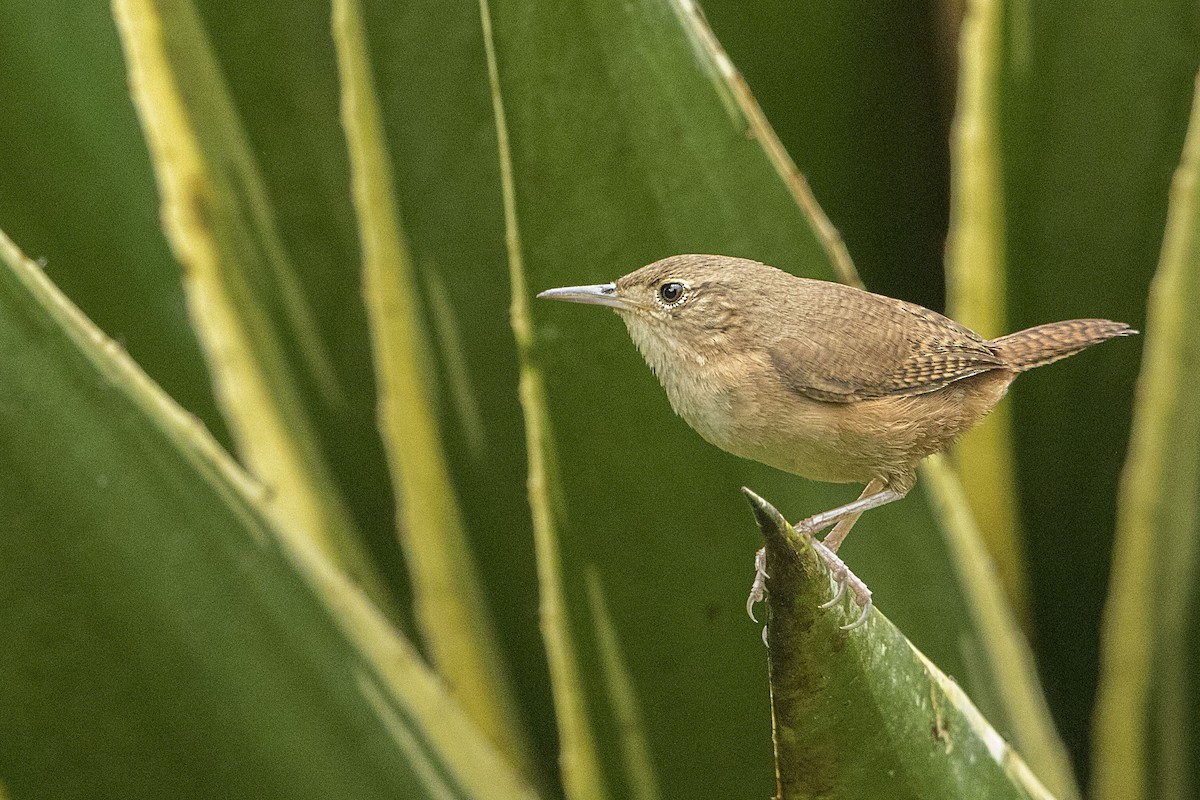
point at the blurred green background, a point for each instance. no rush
(1094, 100)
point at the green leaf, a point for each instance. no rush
(975, 277)
(1145, 737)
(448, 599)
(1093, 114)
(428, 67)
(274, 370)
(583, 770)
(167, 639)
(862, 713)
(862, 103)
(280, 71)
(1024, 711)
(78, 189)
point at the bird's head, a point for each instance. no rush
(688, 305)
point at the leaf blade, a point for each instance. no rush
(152, 550)
(243, 290)
(975, 278)
(1026, 714)
(448, 599)
(578, 752)
(1070, 256)
(71, 204)
(830, 743)
(1144, 745)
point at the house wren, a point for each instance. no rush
(820, 379)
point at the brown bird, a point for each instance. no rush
(820, 379)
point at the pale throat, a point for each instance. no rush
(686, 372)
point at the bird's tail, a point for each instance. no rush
(1048, 343)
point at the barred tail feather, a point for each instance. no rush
(1048, 343)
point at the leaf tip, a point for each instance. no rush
(769, 520)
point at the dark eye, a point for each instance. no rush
(671, 292)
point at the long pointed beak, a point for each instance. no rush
(600, 294)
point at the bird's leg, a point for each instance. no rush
(833, 540)
(819, 522)
(873, 496)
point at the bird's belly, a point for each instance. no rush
(805, 439)
(810, 445)
(844, 442)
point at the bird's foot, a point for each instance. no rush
(841, 575)
(844, 577)
(758, 589)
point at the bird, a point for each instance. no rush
(820, 379)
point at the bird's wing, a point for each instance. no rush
(880, 347)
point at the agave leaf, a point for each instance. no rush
(862, 713)
(78, 189)
(273, 368)
(863, 103)
(1094, 108)
(1022, 704)
(279, 67)
(975, 278)
(976, 268)
(1145, 736)
(169, 640)
(449, 602)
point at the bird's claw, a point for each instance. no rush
(862, 618)
(758, 589)
(844, 577)
(841, 590)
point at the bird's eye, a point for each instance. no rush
(671, 292)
